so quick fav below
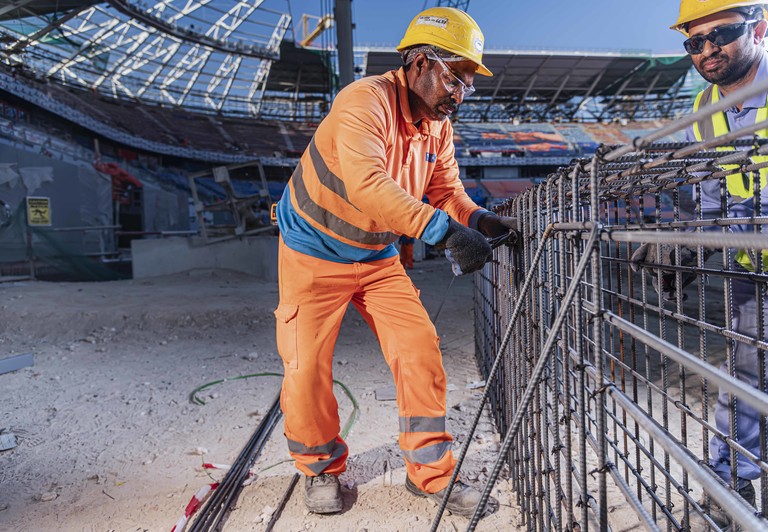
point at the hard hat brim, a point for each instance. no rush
(483, 71)
(687, 19)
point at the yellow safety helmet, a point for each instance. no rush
(450, 29)
(691, 10)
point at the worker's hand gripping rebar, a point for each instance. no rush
(510, 239)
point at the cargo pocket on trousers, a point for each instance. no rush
(287, 331)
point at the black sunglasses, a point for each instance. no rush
(719, 36)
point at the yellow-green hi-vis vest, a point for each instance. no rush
(739, 185)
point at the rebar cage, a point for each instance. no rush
(605, 391)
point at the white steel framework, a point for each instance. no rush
(210, 55)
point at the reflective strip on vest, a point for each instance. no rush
(738, 184)
(329, 220)
(428, 454)
(422, 424)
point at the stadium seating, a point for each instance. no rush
(546, 140)
(238, 136)
(536, 147)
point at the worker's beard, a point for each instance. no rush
(725, 70)
(446, 108)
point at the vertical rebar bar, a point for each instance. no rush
(597, 346)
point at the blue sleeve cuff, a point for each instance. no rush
(475, 217)
(436, 228)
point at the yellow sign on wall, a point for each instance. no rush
(38, 210)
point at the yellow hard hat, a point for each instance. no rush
(450, 29)
(691, 10)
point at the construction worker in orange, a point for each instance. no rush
(385, 143)
(406, 251)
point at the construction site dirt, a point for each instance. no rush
(107, 437)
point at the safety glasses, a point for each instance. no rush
(451, 81)
(719, 36)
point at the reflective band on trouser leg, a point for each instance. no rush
(314, 295)
(428, 454)
(390, 304)
(430, 476)
(419, 432)
(422, 424)
(324, 456)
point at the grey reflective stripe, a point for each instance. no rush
(429, 454)
(296, 447)
(422, 424)
(321, 465)
(330, 220)
(706, 127)
(324, 174)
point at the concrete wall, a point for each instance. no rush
(501, 172)
(78, 197)
(255, 255)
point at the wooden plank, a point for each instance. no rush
(15, 362)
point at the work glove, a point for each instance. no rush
(494, 226)
(646, 256)
(466, 249)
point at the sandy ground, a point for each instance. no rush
(108, 438)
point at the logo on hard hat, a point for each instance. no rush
(439, 22)
(478, 43)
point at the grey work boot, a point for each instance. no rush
(719, 516)
(322, 494)
(462, 501)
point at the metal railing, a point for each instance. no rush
(605, 391)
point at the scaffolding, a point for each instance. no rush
(605, 391)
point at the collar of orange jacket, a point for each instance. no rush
(430, 127)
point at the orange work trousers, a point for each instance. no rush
(406, 255)
(314, 295)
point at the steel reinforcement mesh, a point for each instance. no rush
(604, 390)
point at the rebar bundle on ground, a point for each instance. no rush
(212, 516)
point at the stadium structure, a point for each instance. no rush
(128, 121)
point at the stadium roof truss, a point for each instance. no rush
(215, 56)
(569, 86)
(230, 57)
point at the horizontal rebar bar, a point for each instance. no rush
(755, 398)
(734, 240)
(733, 99)
(724, 496)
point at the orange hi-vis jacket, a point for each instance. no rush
(361, 180)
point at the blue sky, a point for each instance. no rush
(590, 25)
